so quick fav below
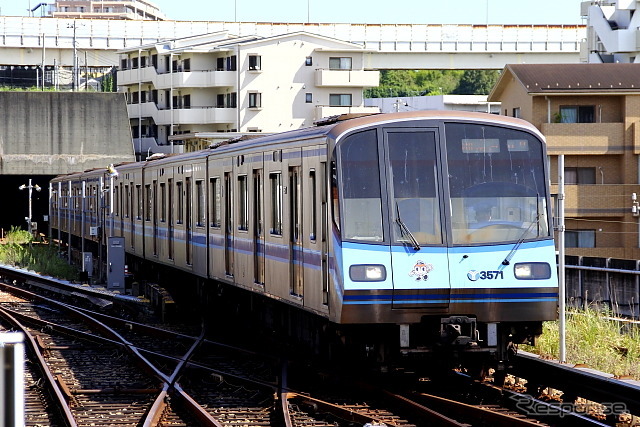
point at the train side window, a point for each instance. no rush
(163, 202)
(243, 204)
(148, 202)
(216, 200)
(180, 200)
(314, 204)
(360, 187)
(200, 203)
(275, 183)
(335, 195)
(127, 208)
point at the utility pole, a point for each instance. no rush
(561, 263)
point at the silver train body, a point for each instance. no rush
(405, 219)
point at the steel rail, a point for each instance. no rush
(52, 384)
(579, 381)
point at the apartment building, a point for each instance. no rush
(590, 113)
(107, 9)
(185, 94)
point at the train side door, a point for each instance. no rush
(188, 221)
(418, 252)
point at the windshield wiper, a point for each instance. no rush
(507, 259)
(405, 230)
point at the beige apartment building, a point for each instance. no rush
(590, 113)
(186, 94)
(107, 9)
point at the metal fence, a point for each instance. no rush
(607, 283)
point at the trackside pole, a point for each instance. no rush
(561, 267)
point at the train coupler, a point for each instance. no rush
(458, 330)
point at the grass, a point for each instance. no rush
(594, 339)
(42, 259)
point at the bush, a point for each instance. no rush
(18, 236)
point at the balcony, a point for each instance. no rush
(150, 145)
(323, 111)
(597, 200)
(347, 78)
(177, 80)
(584, 138)
(193, 115)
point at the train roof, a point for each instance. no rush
(334, 127)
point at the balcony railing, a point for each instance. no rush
(347, 78)
(323, 111)
(597, 200)
(191, 115)
(178, 79)
(584, 138)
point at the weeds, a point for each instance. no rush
(41, 259)
(595, 339)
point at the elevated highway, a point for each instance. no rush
(25, 40)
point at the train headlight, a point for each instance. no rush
(532, 270)
(368, 273)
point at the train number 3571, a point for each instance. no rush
(474, 275)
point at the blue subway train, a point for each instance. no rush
(412, 231)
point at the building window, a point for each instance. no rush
(579, 175)
(308, 97)
(577, 114)
(231, 63)
(275, 182)
(255, 62)
(340, 63)
(580, 238)
(232, 100)
(186, 64)
(340, 100)
(123, 63)
(308, 61)
(255, 100)
(516, 112)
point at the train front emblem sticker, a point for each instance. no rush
(421, 270)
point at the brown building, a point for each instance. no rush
(591, 114)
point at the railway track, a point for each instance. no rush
(177, 377)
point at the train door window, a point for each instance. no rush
(360, 187)
(155, 217)
(163, 202)
(258, 252)
(413, 174)
(200, 204)
(314, 205)
(216, 198)
(188, 219)
(179, 203)
(116, 200)
(275, 184)
(243, 204)
(140, 202)
(148, 202)
(170, 215)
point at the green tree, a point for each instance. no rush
(477, 82)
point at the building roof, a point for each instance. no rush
(547, 79)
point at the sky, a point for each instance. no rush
(521, 12)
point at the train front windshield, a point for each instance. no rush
(494, 176)
(497, 185)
